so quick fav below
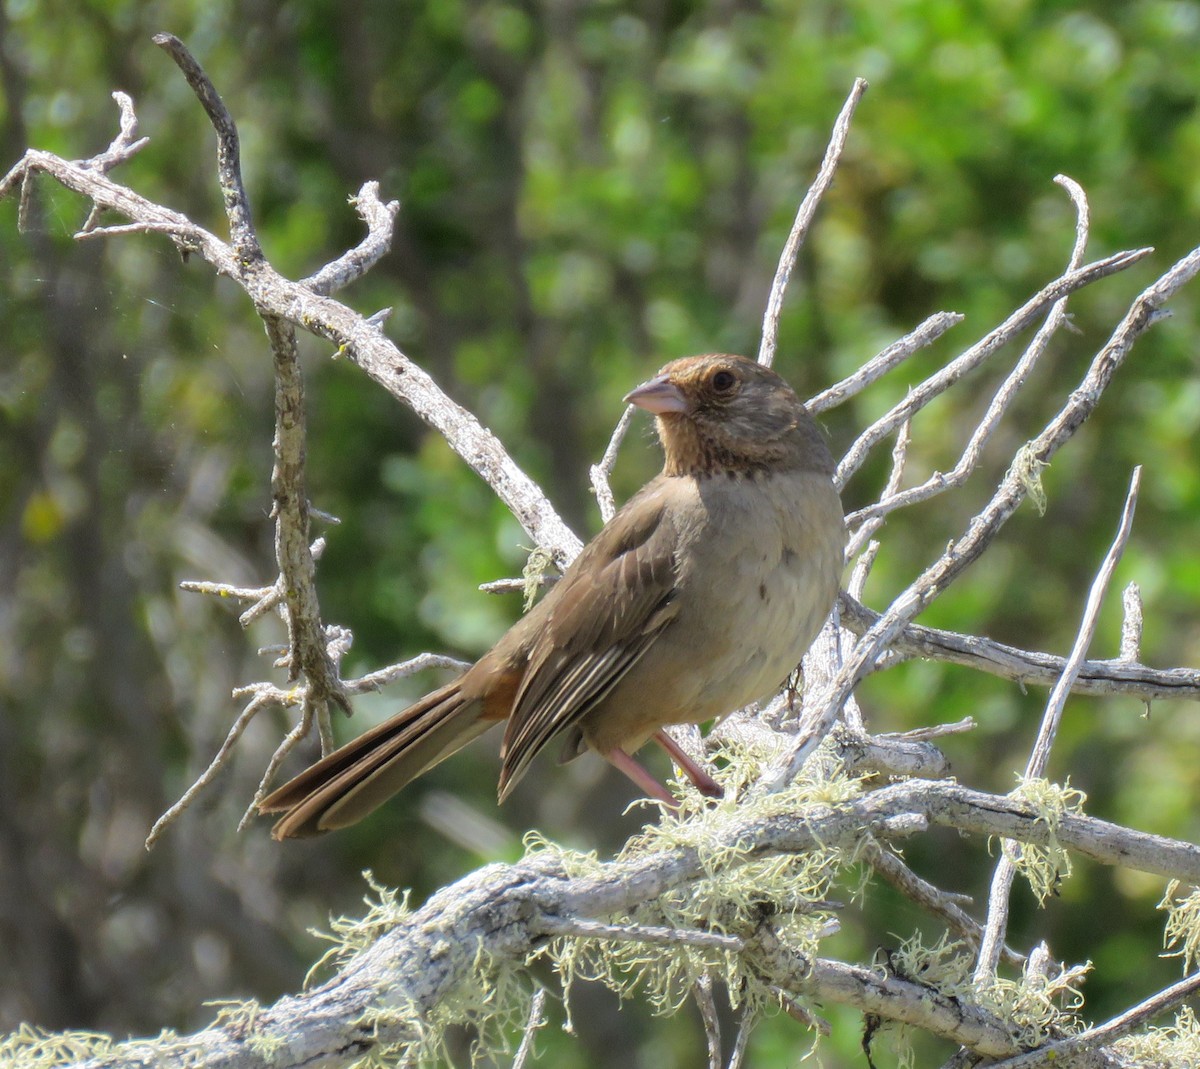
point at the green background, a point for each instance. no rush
(588, 190)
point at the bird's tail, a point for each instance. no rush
(351, 782)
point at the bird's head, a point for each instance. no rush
(722, 414)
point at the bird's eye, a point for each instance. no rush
(723, 381)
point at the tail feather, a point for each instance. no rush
(353, 781)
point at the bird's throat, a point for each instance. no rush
(688, 451)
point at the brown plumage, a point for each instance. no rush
(701, 594)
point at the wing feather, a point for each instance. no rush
(599, 621)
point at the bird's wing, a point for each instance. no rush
(599, 620)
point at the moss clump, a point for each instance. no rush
(1045, 867)
(1166, 1047)
(1181, 935)
(736, 888)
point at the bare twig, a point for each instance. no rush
(1131, 625)
(256, 706)
(639, 933)
(87, 232)
(741, 1042)
(126, 144)
(878, 366)
(272, 598)
(602, 472)
(862, 570)
(297, 570)
(381, 677)
(887, 755)
(1058, 696)
(1002, 878)
(229, 161)
(702, 992)
(225, 590)
(1112, 678)
(535, 1022)
(352, 265)
(308, 655)
(513, 586)
(290, 741)
(868, 525)
(886, 996)
(804, 218)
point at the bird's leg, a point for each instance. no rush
(703, 782)
(619, 759)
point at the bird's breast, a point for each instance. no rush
(759, 562)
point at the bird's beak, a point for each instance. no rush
(660, 395)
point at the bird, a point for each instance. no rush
(700, 595)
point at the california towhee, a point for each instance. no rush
(700, 595)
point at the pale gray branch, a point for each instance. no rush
(1117, 678)
(126, 144)
(1040, 756)
(381, 677)
(1131, 625)
(256, 705)
(873, 992)
(804, 218)
(353, 264)
(702, 992)
(537, 1018)
(602, 472)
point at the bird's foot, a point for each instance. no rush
(619, 759)
(700, 778)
